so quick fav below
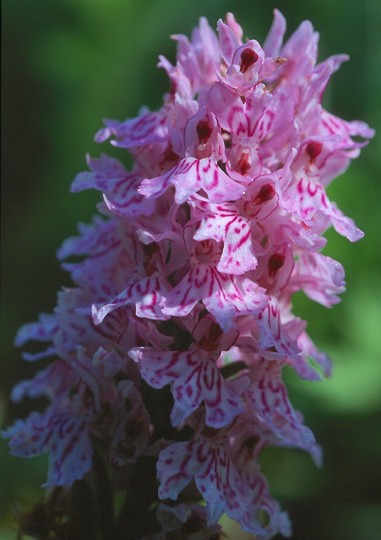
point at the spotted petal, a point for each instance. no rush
(61, 433)
(224, 223)
(215, 476)
(223, 295)
(269, 401)
(308, 199)
(191, 175)
(145, 129)
(145, 294)
(120, 188)
(194, 378)
(273, 334)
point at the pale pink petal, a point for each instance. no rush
(308, 198)
(320, 277)
(145, 294)
(229, 41)
(43, 330)
(190, 176)
(236, 28)
(274, 39)
(269, 401)
(273, 334)
(53, 381)
(145, 129)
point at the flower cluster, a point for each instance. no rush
(185, 280)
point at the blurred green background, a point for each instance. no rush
(69, 63)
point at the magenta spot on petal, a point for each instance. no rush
(313, 150)
(276, 262)
(210, 341)
(204, 130)
(248, 58)
(243, 165)
(312, 188)
(266, 193)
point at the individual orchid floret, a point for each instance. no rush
(62, 431)
(210, 460)
(203, 136)
(194, 376)
(224, 296)
(245, 69)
